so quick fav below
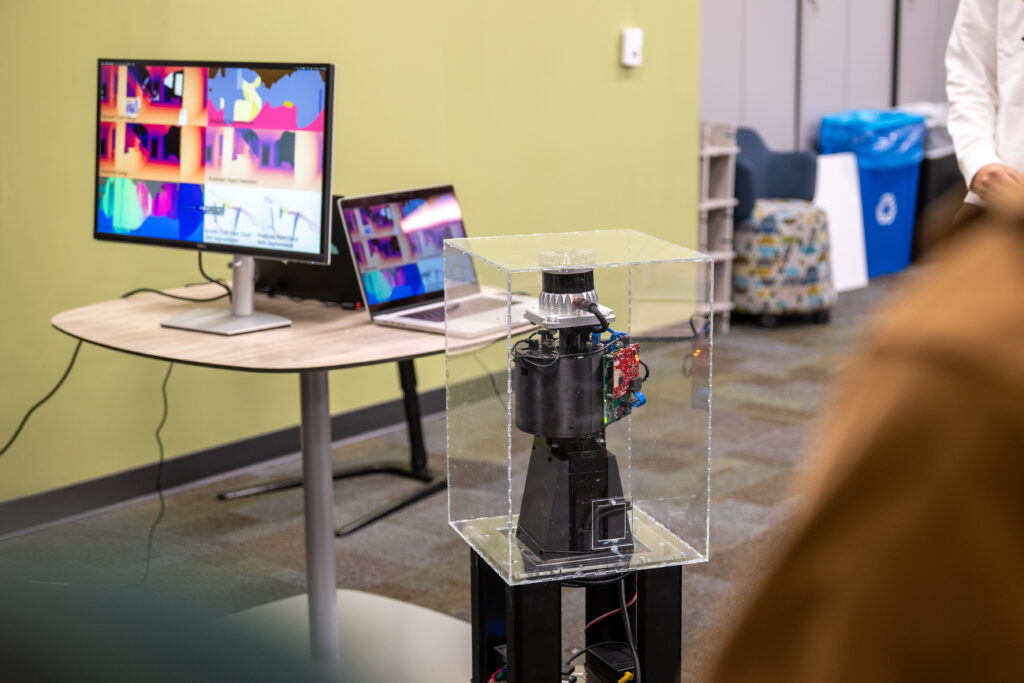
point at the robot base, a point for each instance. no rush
(572, 501)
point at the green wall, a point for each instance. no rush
(522, 106)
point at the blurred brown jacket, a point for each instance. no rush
(908, 560)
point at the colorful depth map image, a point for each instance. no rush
(407, 259)
(230, 156)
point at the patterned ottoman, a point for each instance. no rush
(782, 264)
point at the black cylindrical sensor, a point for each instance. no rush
(572, 282)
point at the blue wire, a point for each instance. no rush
(615, 335)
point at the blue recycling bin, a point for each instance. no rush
(889, 148)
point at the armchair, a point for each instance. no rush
(782, 264)
(764, 174)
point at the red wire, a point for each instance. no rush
(614, 611)
(491, 680)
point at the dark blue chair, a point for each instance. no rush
(783, 260)
(764, 174)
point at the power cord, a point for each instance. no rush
(601, 618)
(220, 283)
(159, 442)
(159, 483)
(629, 629)
(601, 581)
(494, 384)
(591, 647)
(623, 608)
(170, 296)
(227, 290)
(595, 310)
(705, 329)
(43, 400)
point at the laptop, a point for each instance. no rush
(397, 245)
(334, 283)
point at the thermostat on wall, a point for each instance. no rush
(632, 46)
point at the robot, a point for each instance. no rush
(572, 379)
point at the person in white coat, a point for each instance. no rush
(985, 86)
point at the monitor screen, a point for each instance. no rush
(397, 243)
(226, 156)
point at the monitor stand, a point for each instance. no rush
(241, 318)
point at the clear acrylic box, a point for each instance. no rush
(574, 452)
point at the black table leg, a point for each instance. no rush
(413, 420)
(534, 625)
(656, 618)
(417, 468)
(488, 601)
(417, 456)
(526, 619)
(659, 623)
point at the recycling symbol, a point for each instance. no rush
(885, 212)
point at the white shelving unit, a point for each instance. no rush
(715, 206)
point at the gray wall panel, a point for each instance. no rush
(924, 32)
(721, 62)
(825, 72)
(749, 52)
(748, 65)
(871, 53)
(770, 87)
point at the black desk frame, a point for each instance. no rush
(416, 469)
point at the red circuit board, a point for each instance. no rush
(621, 368)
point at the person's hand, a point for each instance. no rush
(1006, 198)
(996, 181)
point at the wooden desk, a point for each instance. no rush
(321, 338)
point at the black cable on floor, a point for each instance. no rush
(46, 398)
(159, 482)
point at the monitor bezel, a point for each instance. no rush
(323, 257)
(389, 197)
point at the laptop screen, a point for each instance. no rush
(397, 242)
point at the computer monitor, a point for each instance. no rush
(231, 157)
(336, 283)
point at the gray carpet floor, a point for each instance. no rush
(769, 385)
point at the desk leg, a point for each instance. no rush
(417, 458)
(413, 420)
(417, 468)
(319, 504)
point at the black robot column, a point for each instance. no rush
(572, 500)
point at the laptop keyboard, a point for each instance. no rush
(463, 308)
(433, 314)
